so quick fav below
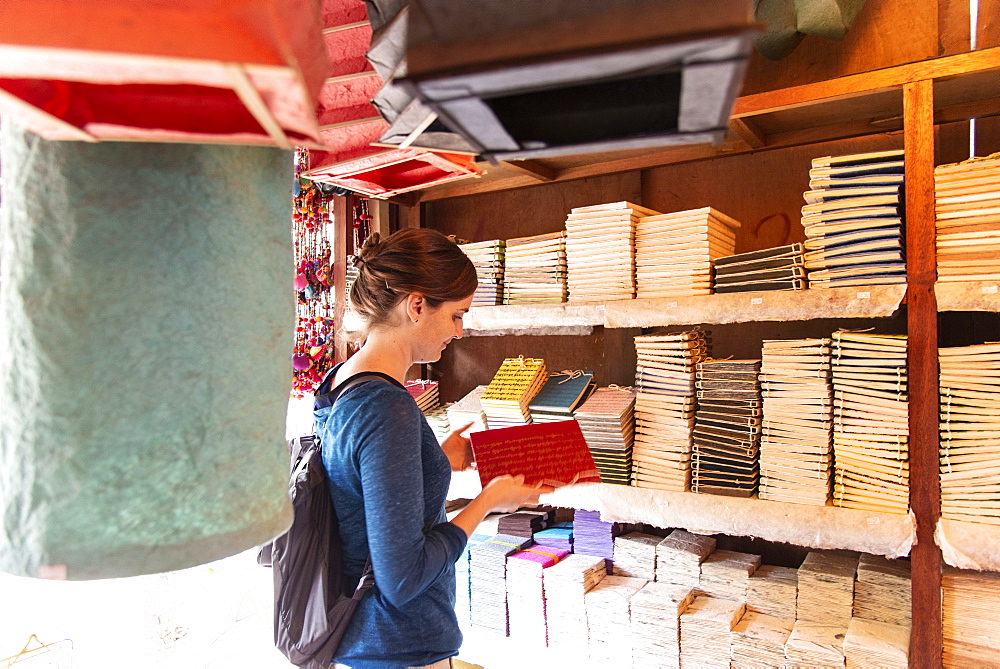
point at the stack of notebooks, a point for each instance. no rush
(970, 618)
(600, 251)
(781, 268)
(826, 588)
(523, 523)
(674, 252)
(679, 558)
(560, 396)
(438, 420)
(467, 410)
(727, 428)
(425, 393)
(566, 585)
(772, 590)
(853, 220)
(815, 645)
(724, 574)
(758, 640)
(609, 620)
(488, 259)
(869, 643)
(535, 269)
(557, 535)
(606, 419)
(796, 448)
(664, 408)
(488, 580)
(870, 427)
(967, 200)
(592, 536)
(635, 555)
(706, 627)
(505, 400)
(463, 590)
(970, 433)
(656, 611)
(882, 590)
(526, 594)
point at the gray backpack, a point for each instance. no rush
(313, 600)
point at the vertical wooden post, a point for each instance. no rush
(342, 226)
(380, 216)
(926, 639)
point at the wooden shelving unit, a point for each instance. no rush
(910, 98)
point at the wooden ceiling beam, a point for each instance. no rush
(534, 169)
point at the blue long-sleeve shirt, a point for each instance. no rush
(389, 479)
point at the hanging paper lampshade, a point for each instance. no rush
(143, 361)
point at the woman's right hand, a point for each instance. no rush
(509, 492)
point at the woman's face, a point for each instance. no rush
(437, 327)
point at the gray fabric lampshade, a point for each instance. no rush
(147, 313)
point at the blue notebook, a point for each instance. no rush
(563, 392)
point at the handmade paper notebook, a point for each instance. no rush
(550, 453)
(967, 203)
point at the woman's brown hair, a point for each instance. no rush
(418, 260)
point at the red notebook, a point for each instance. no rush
(550, 453)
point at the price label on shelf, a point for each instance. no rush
(864, 295)
(756, 300)
(989, 289)
(671, 305)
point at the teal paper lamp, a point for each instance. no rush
(147, 321)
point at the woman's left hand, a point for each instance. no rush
(458, 449)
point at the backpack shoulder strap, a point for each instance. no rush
(326, 395)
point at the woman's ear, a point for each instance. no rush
(415, 306)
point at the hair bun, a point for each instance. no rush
(370, 248)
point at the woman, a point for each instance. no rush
(388, 476)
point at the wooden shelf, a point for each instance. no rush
(798, 305)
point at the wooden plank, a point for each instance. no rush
(748, 131)
(252, 100)
(857, 85)
(68, 130)
(379, 210)
(925, 490)
(533, 169)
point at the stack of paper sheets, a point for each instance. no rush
(526, 594)
(674, 252)
(970, 433)
(557, 535)
(873, 644)
(592, 536)
(772, 590)
(706, 628)
(815, 645)
(796, 448)
(970, 618)
(724, 574)
(505, 400)
(535, 269)
(488, 579)
(870, 424)
(523, 523)
(566, 584)
(635, 555)
(561, 395)
(609, 620)
(425, 393)
(467, 410)
(780, 268)
(727, 428)
(438, 420)
(656, 611)
(664, 408)
(679, 557)
(606, 419)
(882, 590)
(826, 587)
(600, 251)
(463, 592)
(758, 640)
(488, 259)
(853, 222)
(967, 199)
